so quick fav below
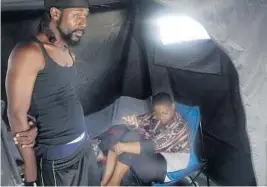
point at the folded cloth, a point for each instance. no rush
(176, 161)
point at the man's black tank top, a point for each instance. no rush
(55, 104)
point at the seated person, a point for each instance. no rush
(141, 143)
(137, 144)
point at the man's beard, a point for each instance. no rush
(67, 36)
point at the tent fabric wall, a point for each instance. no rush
(196, 56)
(239, 28)
(218, 98)
(104, 64)
(100, 59)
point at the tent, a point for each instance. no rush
(121, 55)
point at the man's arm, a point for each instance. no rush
(129, 147)
(27, 138)
(24, 64)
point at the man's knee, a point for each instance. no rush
(112, 136)
(131, 136)
(128, 158)
(151, 168)
(118, 131)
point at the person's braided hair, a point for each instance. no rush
(43, 26)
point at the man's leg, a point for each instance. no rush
(125, 160)
(120, 171)
(148, 167)
(110, 166)
(111, 137)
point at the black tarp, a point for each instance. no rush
(216, 92)
(117, 56)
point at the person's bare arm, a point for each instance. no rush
(135, 121)
(129, 147)
(23, 66)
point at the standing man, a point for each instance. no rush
(40, 82)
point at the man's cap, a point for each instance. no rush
(66, 4)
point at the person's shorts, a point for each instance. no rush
(78, 169)
(175, 162)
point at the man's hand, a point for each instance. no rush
(131, 120)
(26, 138)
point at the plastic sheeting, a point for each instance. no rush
(196, 56)
(217, 95)
(239, 28)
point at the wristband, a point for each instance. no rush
(30, 183)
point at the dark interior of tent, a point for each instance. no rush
(121, 56)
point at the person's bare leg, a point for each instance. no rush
(110, 166)
(120, 171)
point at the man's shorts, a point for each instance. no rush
(78, 169)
